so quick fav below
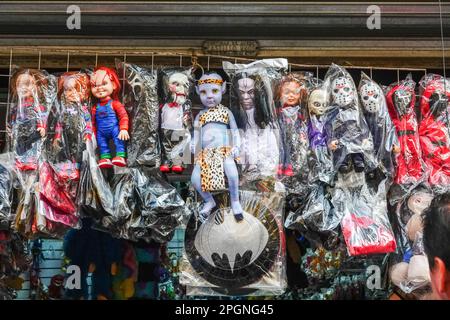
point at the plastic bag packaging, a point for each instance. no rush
(318, 108)
(349, 137)
(386, 144)
(6, 191)
(176, 118)
(252, 103)
(292, 98)
(365, 224)
(226, 257)
(146, 207)
(400, 100)
(32, 94)
(434, 130)
(140, 99)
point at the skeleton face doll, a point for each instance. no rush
(318, 102)
(370, 97)
(402, 100)
(247, 93)
(343, 93)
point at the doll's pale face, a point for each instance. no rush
(246, 88)
(342, 91)
(26, 86)
(370, 97)
(211, 93)
(178, 84)
(419, 201)
(71, 92)
(101, 85)
(290, 94)
(317, 102)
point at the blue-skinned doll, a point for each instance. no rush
(216, 132)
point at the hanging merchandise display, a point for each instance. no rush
(226, 257)
(385, 141)
(176, 119)
(400, 100)
(434, 130)
(140, 98)
(6, 191)
(109, 117)
(253, 105)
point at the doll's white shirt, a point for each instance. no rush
(172, 117)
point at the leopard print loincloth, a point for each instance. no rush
(212, 174)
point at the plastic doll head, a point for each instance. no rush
(419, 201)
(370, 97)
(290, 92)
(210, 88)
(73, 87)
(438, 103)
(178, 85)
(318, 102)
(342, 91)
(246, 87)
(26, 83)
(402, 100)
(105, 83)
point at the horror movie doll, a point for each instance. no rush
(349, 136)
(434, 130)
(109, 117)
(28, 116)
(176, 121)
(386, 144)
(212, 128)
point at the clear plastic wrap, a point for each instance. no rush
(253, 105)
(176, 118)
(434, 130)
(292, 98)
(226, 257)
(386, 144)
(6, 191)
(348, 134)
(32, 94)
(140, 98)
(365, 223)
(400, 100)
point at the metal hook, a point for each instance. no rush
(317, 73)
(208, 63)
(68, 60)
(96, 59)
(398, 75)
(39, 61)
(153, 59)
(371, 76)
(289, 67)
(181, 60)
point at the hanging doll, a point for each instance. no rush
(109, 117)
(434, 130)
(176, 122)
(318, 106)
(386, 144)
(292, 94)
(28, 115)
(349, 136)
(400, 101)
(212, 126)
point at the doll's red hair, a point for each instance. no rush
(114, 78)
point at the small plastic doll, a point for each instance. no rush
(176, 122)
(28, 116)
(212, 127)
(109, 117)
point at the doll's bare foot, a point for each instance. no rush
(237, 210)
(206, 210)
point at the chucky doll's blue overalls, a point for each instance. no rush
(107, 129)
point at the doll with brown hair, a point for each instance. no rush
(28, 116)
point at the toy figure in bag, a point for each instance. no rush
(28, 116)
(176, 122)
(349, 136)
(400, 100)
(386, 144)
(109, 117)
(318, 106)
(73, 124)
(292, 94)
(212, 127)
(434, 130)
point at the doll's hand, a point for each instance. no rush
(396, 149)
(123, 135)
(41, 131)
(57, 144)
(334, 145)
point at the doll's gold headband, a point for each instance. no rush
(209, 81)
